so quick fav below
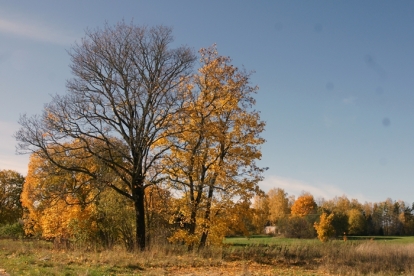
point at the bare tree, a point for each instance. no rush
(120, 102)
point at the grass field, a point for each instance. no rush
(257, 255)
(269, 240)
(266, 240)
(39, 258)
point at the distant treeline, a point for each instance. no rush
(340, 215)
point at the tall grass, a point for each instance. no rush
(334, 257)
(42, 258)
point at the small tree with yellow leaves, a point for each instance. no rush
(324, 227)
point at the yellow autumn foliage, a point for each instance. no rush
(214, 144)
(324, 227)
(55, 206)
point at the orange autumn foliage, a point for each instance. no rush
(304, 205)
(56, 201)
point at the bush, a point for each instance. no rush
(12, 231)
(297, 227)
(324, 227)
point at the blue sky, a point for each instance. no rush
(336, 80)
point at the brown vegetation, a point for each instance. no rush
(331, 258)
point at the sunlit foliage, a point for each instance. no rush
(278, 204)
(261, 212)
(304, 205)
(72, 206)
(324, 227)
(214, 144)
(57, 201)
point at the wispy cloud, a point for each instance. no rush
(8, 159)
(35, 31)
(296, 187)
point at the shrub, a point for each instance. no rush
(12, 231)
(324, 227)
(297, 227)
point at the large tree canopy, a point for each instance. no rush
(125, 88)
(215, 143)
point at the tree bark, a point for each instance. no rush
(140, 218)
(206, 227)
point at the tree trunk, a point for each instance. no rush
(139, 217)
(192, 226)
(206, 218)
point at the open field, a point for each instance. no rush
(39, 258)
(269, 240)
(274, 257)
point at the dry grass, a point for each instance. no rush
(335, 257)
(371, 258)
(332, 258)
(39, 258)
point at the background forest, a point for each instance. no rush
(108, 219)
